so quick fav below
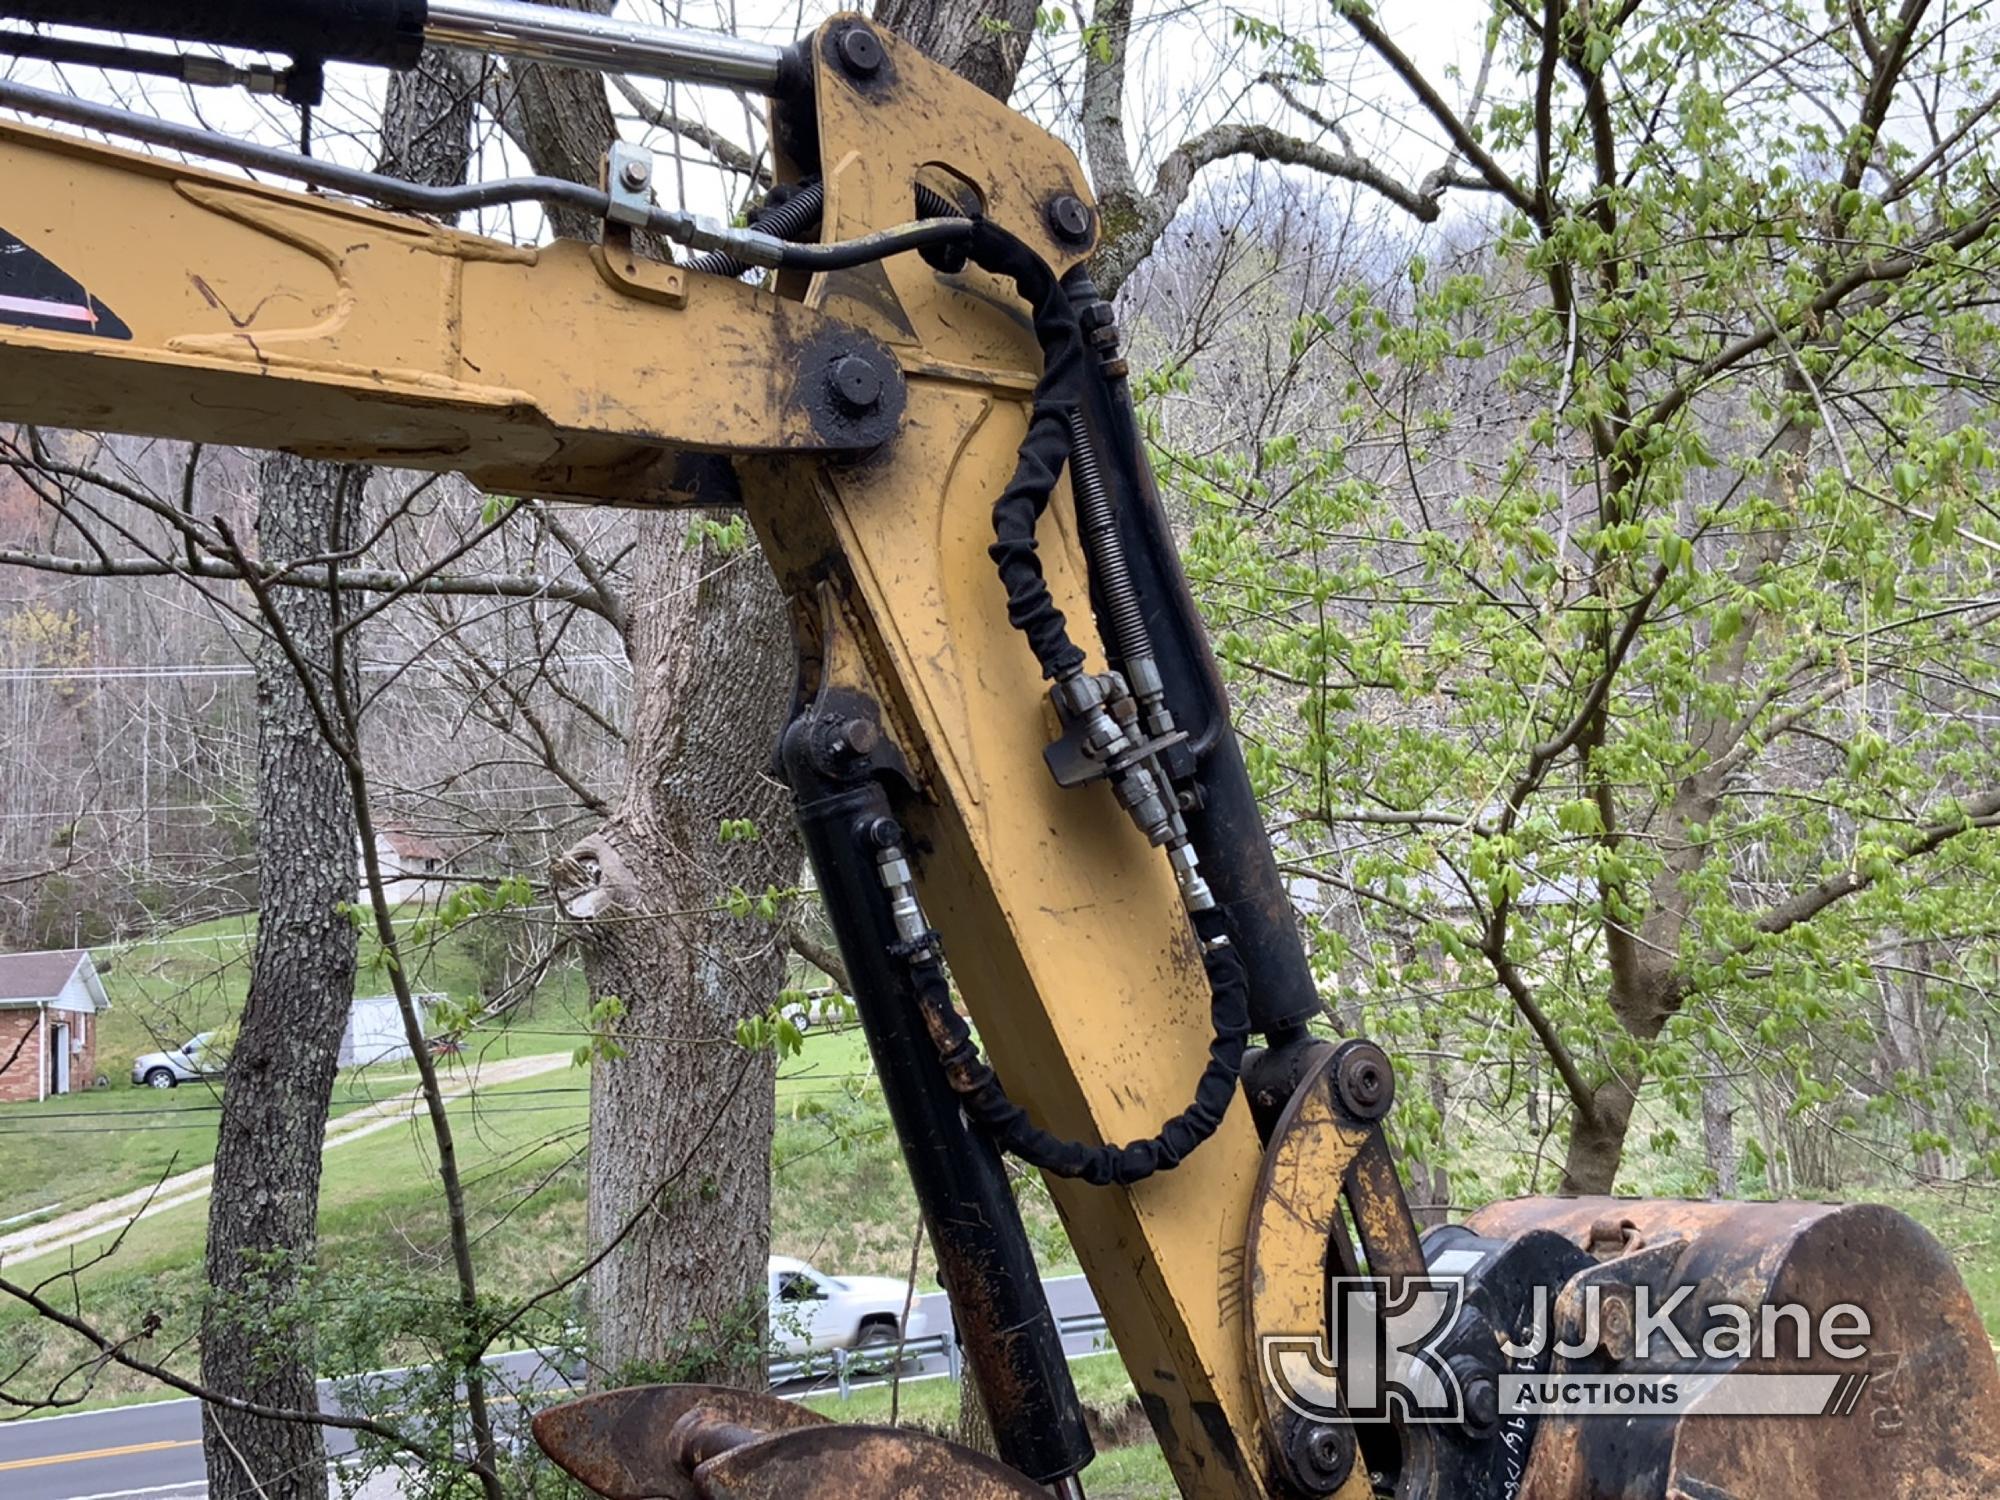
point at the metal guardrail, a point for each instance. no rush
(878, 1362)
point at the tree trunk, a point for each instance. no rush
(263, 1212)
(1718, 1132)
(681, 1124)
(983, 41)
(1597, 1139)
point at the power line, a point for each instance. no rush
(171, 672)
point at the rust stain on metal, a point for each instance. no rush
(1925, 1424)
(619, 1443)
(859, 1463)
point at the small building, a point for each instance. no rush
(413, 866)
(375, 1032)
(49, 1009)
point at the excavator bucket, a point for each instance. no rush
(705, 1442)
(1835, 1352)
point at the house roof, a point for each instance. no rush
(410, 845)
(26, 978)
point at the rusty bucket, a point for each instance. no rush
(1856, 1296)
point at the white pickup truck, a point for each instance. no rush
(812, 1310)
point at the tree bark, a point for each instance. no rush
(1718, 1132)
(983, 41)
(263, 1211)
(263, 1216)
(1597, 1139)
(681, 1124)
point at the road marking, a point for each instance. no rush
(150, 1490)
(77, 1458)
(97, 1411)
(154, 1491)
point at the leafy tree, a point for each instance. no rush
(1610, 578)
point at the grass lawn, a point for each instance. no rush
(520, 1149)
(381, 1224)
(75, 1150)
(164, 990)
(932, 1404)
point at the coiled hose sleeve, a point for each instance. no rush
(1031, 610)
(987, 1104)
(1039, 461)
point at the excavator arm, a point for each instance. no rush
(1011, 758)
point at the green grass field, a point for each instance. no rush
(381, 1219)
(164, 990)
(66, 1153)
(521, 1150)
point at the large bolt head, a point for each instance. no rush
(1319, 1454)
(1364, 1080)
(860, 52)
(857, 384)
(1069, 218)
(1482, 1404)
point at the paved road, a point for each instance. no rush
(155, 1450)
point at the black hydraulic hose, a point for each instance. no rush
(394, 191)
(788, 217)
(986, 1102)
(785, 218)
(1043, 451)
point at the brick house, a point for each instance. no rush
(49, 1008)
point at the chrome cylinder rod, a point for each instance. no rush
(604, 44)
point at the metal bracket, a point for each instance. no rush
(628, 179)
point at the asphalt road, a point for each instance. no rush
(154, 1450)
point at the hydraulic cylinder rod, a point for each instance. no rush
(579, 39)
(1010, 1337)
(392, 32)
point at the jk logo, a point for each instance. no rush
(1385, 1363)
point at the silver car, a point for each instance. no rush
(165, 1070)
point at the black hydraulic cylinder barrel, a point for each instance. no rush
(384, 32)
(1227, 829)
(988, 1269)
